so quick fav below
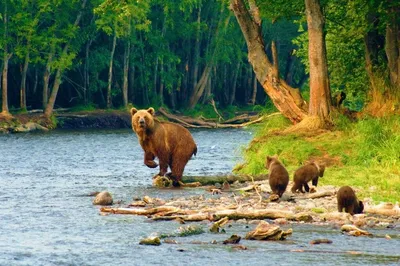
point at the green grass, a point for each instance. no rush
(363, 154)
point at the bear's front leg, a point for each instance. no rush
(149, 160)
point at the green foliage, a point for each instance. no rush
(364, 154)
(84, 108)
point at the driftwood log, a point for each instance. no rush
(211, 180)
(237, 122)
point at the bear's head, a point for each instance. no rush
(359, 208)
(270, 160)
(142, 119)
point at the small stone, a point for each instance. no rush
(103, 198)
(153, 241)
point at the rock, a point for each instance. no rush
(280, 221)
(266, 231)
(320, 241)
(103, 198)
(153, 241)
(28, 127)
(354, 230)
(162, 182)
(234, 239)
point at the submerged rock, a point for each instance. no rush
(234, 239)
(320, 241)
(152, 241)
(103, 198)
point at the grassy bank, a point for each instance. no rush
(363, 154)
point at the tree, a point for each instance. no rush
(320, 94)
(6, 58)
(65, 61)
(287, 99)
(115, 18)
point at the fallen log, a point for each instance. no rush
(211, 180)
(197, 217)
(140, 211)
(320, 194)
(260, 214)
(386, 209)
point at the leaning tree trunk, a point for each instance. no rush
(320, 94)
(57, 80)
(287, 99)
(110, 69)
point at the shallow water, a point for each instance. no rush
(45, 220)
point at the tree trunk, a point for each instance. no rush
(126, 73)
(254, 93)
(46, 77)
(23, 80)
(131, 91)
(287, 99)
(4, 107)
(161, 88)
(289, 68)
(392, 49)
(320, 95)
(234, 84)
(201, 85)
(35, 83)
(196, 54)
(57, 81)
(110, 69)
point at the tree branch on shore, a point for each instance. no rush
(236, 122)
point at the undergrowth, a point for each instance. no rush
(363, 154)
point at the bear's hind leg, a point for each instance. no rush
(306, 187)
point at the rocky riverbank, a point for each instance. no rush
(249, 202)
(101, 119)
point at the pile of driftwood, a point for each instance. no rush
(250, 201)
(239, 121)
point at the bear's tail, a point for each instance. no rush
(195, 150)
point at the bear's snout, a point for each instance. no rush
(142, 122)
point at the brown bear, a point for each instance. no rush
(306, 173)
(171, 143)
(278, 175)
(347, 199)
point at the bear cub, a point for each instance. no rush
(347, 200)
(309, 172)
(278, 175)
(171, 143)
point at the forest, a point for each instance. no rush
(303, 57)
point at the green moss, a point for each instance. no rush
(363, 154)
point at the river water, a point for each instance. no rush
(46, 220)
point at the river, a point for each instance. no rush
(46, 220)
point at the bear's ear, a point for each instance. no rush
(151, 111)
(133, 111)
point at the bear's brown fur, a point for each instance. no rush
(278, 175)
(347, 199)
(306, 173)
(171, 143)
